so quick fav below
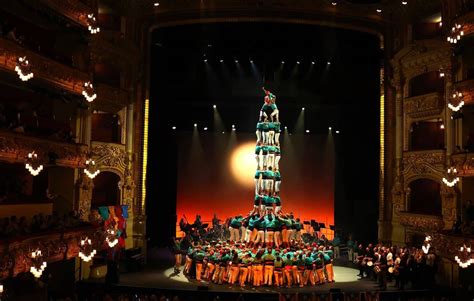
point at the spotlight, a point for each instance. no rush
(236, 61)
(223, 132)
(312, 63)
(233, 129)
(214, 107)
(302, 109)
(441, 127)
(307, 131)
(329, 63)
(221, 61)
(330, 128)
(233, 126)
(379, 10)
(298, 62)
(251, 61)
(209, 45)
(404, 2)
(334, 3)
(205, 128)
(156, 4)
(174, 128)
(195, 125)
(205, 60)
(286, 128)
(337, 132)
(282, 62)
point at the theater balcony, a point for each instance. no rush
(55, 245)
(421, 222)
(44, 68)
(14, 148)
(75, 11)
(464, 163)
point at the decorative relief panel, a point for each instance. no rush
(424, 105)
(53, 72)
(54, 246)
(467, 89)
(447, 244)
(464, 163)
(421, 222)
(419, 163)
(110, 156)
(14, 147)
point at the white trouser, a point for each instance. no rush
(248, 233)
(271, 134)
(265, 137)
(259, 160)
(277, 161)
(271, 160)
(277, 138)
(243, 230)
(277, 238)
(275, 115)
(277, 209)
(259, 136)
(265, 159)
(257, 186)
(234, 234)
(277, 186)
(260, 236)
(268, 184)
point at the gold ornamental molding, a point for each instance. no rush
(110, 99)
(421, 57)
(55, 246)
(447, 244)
(423, 164)
(110, 157)
(421, 222)
(72, 9)
(14, 147)
(54, 73)
(424, 106)
(464, 163)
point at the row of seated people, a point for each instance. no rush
(13, 227)
(301, 264)
(385, 263)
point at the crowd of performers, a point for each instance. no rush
(256, 265)
(384, 263)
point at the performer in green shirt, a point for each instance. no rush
(258, 132)
(271, 133)
(277, 126)
(259, 156)
(234, 228)
(271, 156)
(269, 260)
(259, 182)
(268, 177)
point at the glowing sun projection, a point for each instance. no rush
(243, 164)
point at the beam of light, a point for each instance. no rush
(299, 126)
(242, 164)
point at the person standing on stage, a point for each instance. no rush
(269, 261)
(328, 258)
(336, 242)
(245, 262)
(269, 109)
(177, 255)
(277, 181)
(278, 270)
(277, 126)
(288, 264)
(259, 132)
(234, 228)
(297, 227)
(277, 157)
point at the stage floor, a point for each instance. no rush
(346, 281)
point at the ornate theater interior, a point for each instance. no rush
(140, 147)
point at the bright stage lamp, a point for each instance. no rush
(242, 164)
(214, 106)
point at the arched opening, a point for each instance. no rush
(426, 83)
(425, 197)
(427, 135)
(106, 190)
(106, 127)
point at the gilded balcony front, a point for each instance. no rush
(421, 222)
(44, 68)
(14, 148)
(464, 163)
(72, 9)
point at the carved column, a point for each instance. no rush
(448, 203)
(86, 127)
(129, 142)
(449, 123)
(84, 187)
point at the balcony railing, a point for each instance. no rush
(111, 46)
(71, 9)
(14, 147)
(419, 162)
(424, 105)
(110, 156)
(421, 222)
(57, 74)
(55, 246)
(464, 163)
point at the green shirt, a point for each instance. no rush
(236, 222)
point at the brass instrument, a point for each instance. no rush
(391, 269)
(377, 269)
